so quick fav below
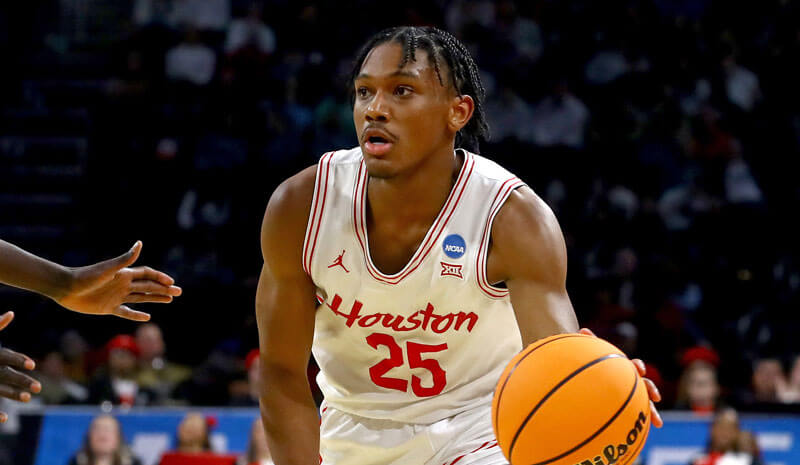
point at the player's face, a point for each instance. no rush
(401, 114)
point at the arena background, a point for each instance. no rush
(663, 133)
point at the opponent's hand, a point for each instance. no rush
(652, 390)
(13, 384)
(104, 288)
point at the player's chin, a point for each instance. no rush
(380, 168)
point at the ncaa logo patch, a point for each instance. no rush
(454, 246)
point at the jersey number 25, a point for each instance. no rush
(415, 360)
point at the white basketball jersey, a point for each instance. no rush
(429, 341)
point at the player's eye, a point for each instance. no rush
(362, 91)
(402, 91)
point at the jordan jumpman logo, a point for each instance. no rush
(338, 262)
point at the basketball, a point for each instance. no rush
(571, 399)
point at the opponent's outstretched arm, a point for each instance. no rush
(285, 312)
(100, 289)
(528, 253)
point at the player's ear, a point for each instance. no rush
(461, 109)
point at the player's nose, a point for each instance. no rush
(378, 109)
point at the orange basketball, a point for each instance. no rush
(571, 399)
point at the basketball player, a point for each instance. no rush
(100, 289)
(431, 268)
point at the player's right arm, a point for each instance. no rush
(285, 313)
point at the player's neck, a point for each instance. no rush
(418, 195)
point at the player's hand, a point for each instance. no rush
(652, 390)
(104, 288)
(13, 384)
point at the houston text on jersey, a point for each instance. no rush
(426, 319)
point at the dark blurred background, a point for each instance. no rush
(663, 133)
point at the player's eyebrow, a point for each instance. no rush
(398, 73)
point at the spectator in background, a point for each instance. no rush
(193, 435)
(740, 184)
(698, 388)
(741, 84)
(559, 119)
(57, 388)
(257, 448)
(747, 449)
(508, 114)
(117, 382)
(204, 15)
(191, 61)
(104, 445)
(156, 373)
(149, 12)
(679, 206)
(74, 348)
(723, 441)
(767, 379)
(606, 66)
(461, 15)
(524, 36)
(247, 396)
(250, 34)
(789, 391)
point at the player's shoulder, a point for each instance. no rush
(524, 222)
(526, 234)
(295, 194)
(489, 169)
(524, 208)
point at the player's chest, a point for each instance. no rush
(392, 245)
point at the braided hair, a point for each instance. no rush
(442, 48)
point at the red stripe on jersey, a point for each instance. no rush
(439, 225)
(356, 216)
(483, 251)
(313, 215)
(316, 219)
(485, 446)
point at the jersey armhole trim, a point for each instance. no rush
(317, 209)
(505, 190)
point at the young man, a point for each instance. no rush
(100, 289)
(432, 268)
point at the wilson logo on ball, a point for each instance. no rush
(613, 454)
(454, 246)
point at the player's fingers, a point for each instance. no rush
(123, 311)
(655, 417)
(115, 264)
(640, 366)
(13, 393)
(16, 360)
(14, 379)
(586, 331)
(147, 273)
(154, 287)
(652, 390)
(135, 298)
(5, 319)
(3, 417)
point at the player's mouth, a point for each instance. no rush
(377, 142)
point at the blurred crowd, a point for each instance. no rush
(133, 370)
(104, 444)
(661, 133)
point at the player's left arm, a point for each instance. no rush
(529, 254)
